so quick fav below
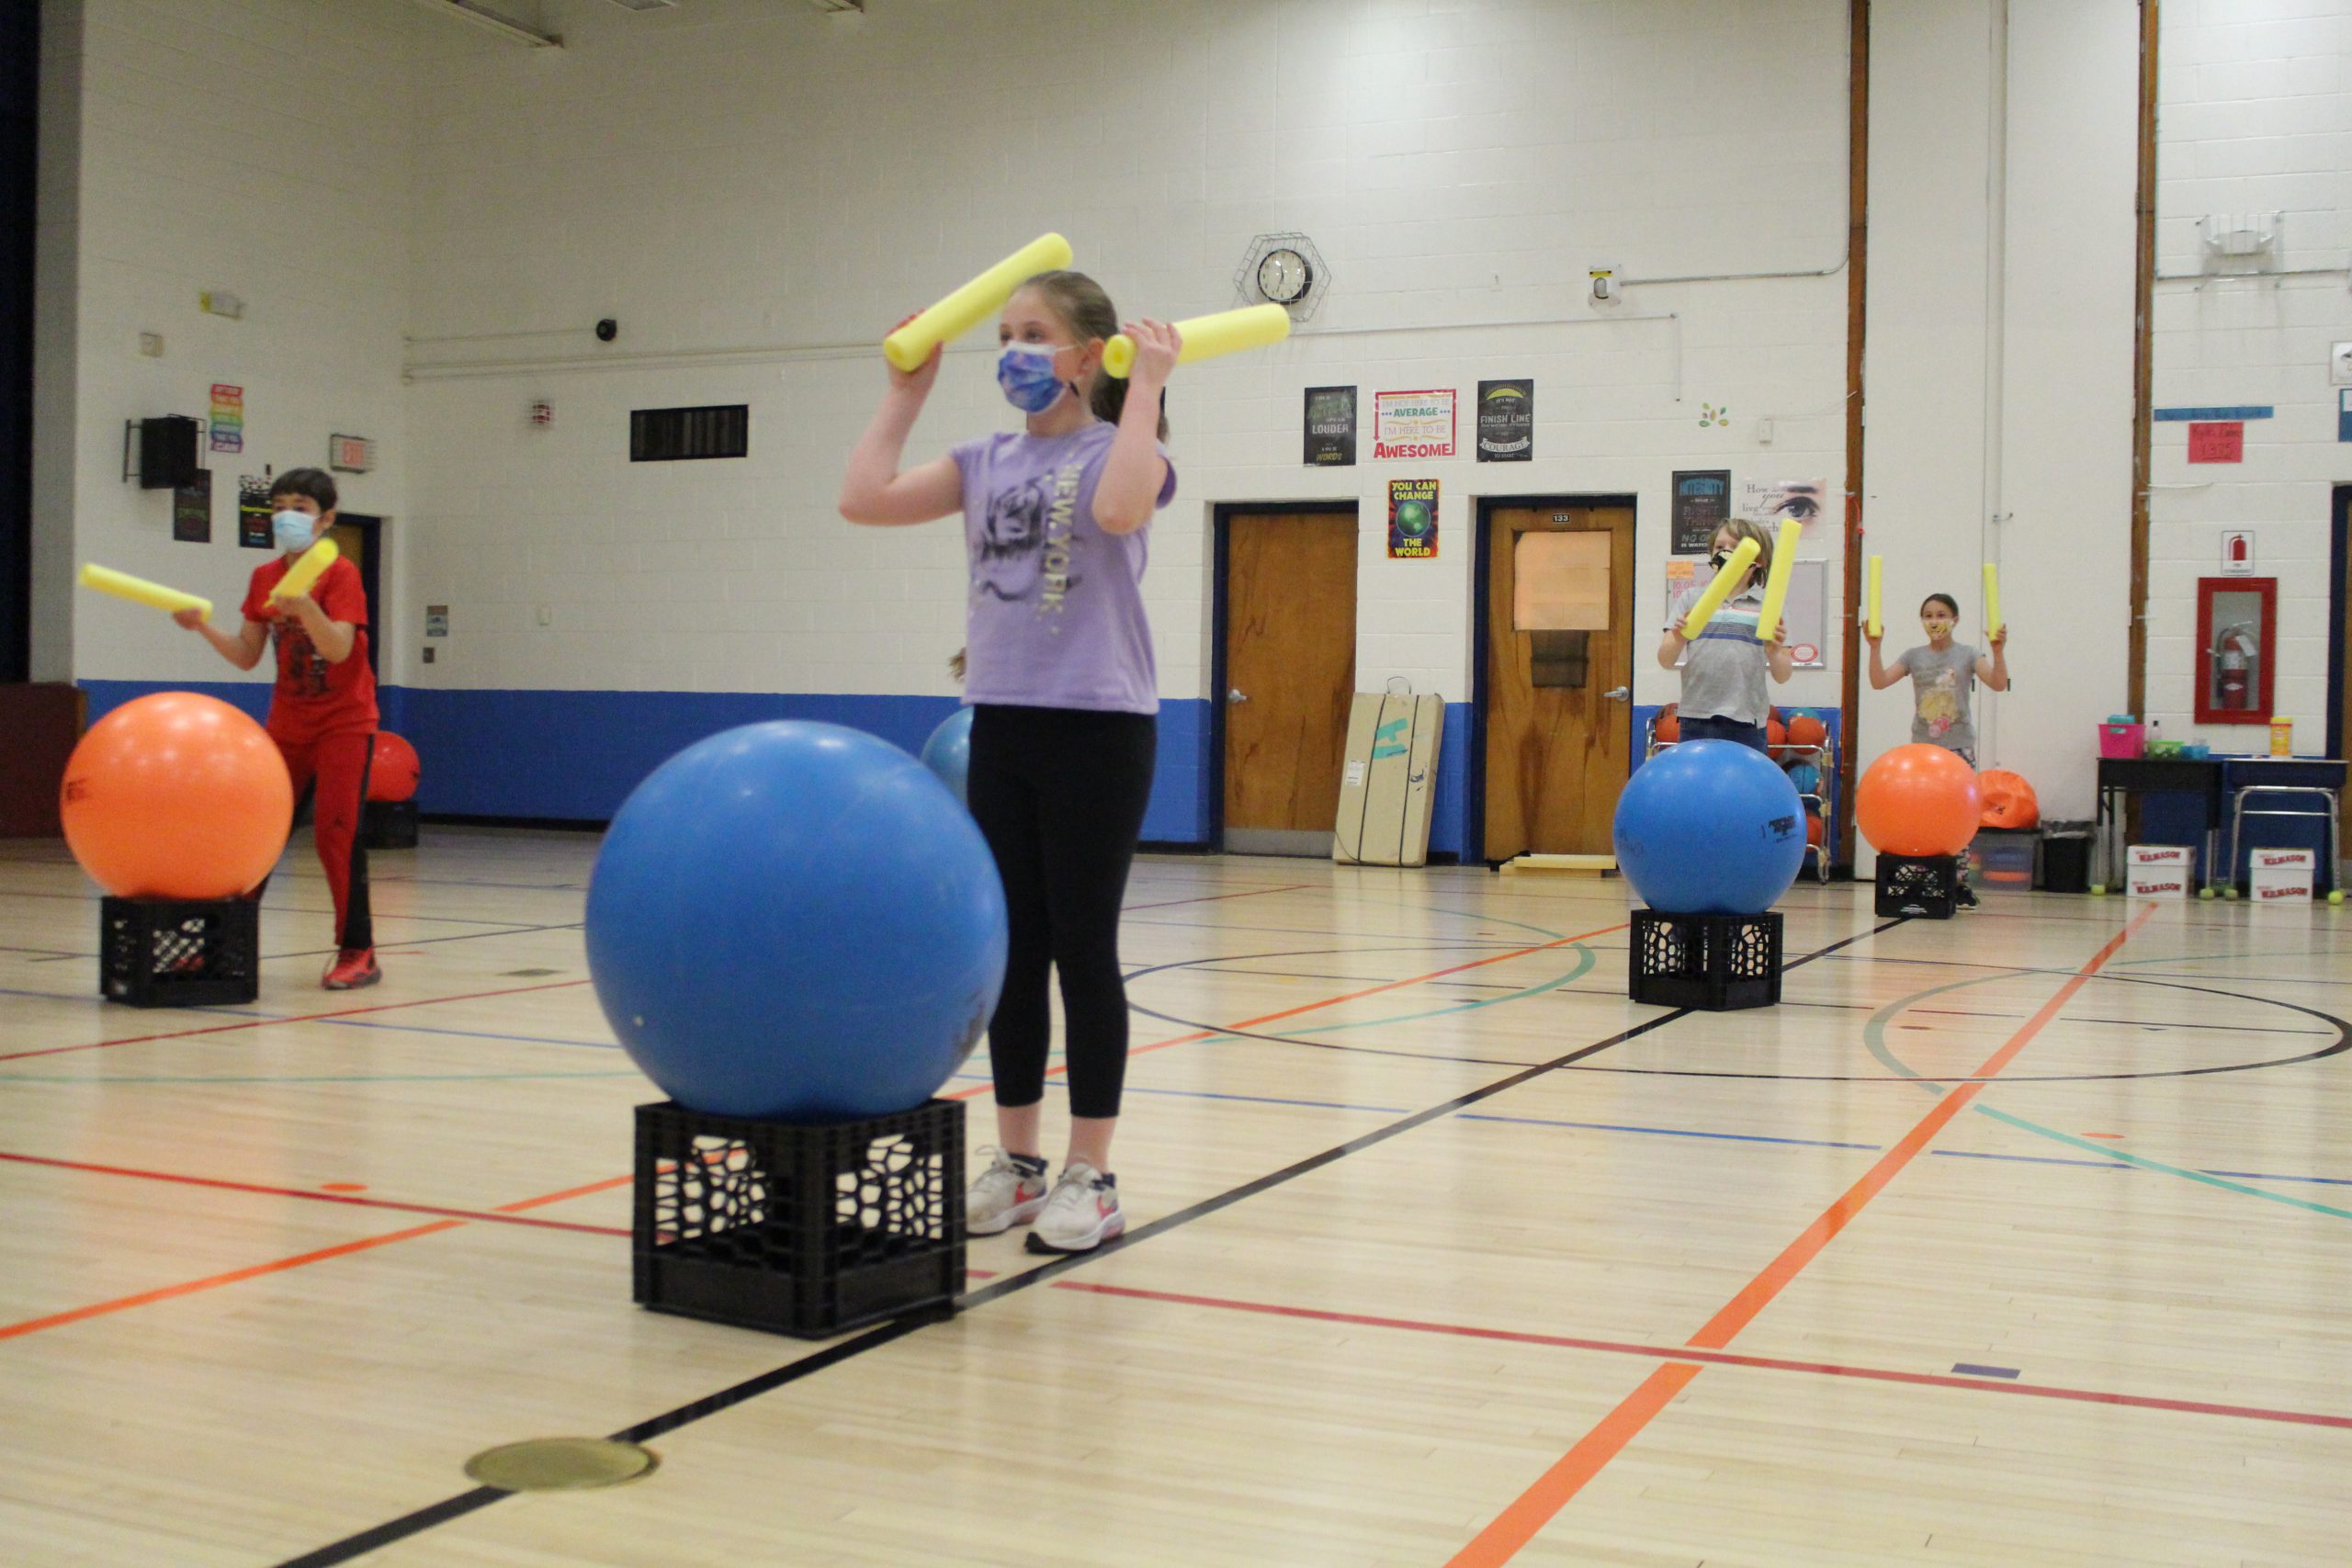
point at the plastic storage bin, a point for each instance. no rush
(2122, 740)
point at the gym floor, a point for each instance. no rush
(2020, 1238)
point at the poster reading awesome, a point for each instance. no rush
(1413, 424)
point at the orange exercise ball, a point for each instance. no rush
(176, 796)
(393, 771)
(2009, 801)
(1918, 800)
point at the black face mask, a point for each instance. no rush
(1720, 559)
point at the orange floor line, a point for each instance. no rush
(313, 1195)
(1532, 1509)
(300, 1018)
(123, 1304)
(1329, 1001)
(167, 1292)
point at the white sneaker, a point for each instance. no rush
(1083, 1214)
(1004, 1196)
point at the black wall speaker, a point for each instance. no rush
(167, 452)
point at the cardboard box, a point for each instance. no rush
(2159, 871)
(2280, 876)
(1388, 779)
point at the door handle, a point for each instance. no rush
(1236, 695)
(1619, 693)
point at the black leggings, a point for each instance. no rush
(1061, 795)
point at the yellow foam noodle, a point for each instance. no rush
(1205, 337)
(309, 570)
(139, 590)
(1776, 580)
(1992, 600)
(1720, 589)
(1870, 615)
(969, 305)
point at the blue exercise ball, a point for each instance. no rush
(796, 921)
(1710, 828)
(948, 752)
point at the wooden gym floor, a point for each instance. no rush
(2021, 1238)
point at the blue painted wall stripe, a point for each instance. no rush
(576, 755)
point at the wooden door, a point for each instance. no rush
(1558, 704)
(2343, 672)
(1289, 675)
(356, 535)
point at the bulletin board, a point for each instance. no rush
(1806, 612)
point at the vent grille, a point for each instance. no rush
(675, 435)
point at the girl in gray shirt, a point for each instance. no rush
(1942, 674)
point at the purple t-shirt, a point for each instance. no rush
(1056, 615)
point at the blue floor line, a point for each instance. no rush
(1667, 1132)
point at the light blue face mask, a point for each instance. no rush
(291, 529)
(1026, 372)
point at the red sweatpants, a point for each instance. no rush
(333, 769)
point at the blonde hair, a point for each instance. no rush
(1749, 528)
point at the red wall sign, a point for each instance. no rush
(2220, 442)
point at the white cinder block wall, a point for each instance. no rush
(1456, 165)
(755, 192)
(2256, 120)
(257, 149)
(1998, 359)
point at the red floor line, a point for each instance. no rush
(1518, 1524)
(301, 1018)
(143, 1299)
(1727, 1357)
(1214, 897)
(307, 1195)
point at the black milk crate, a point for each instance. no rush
(1923, 885)
(162, 953)
(387, 825)
(1716, 962)
(806, 1228)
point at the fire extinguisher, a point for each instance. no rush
(2235, 651)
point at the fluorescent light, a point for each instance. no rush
(482, 15)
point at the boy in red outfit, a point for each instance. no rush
(322, 710)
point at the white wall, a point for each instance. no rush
(258, 147)
(2060, 478)
(1998, 359)
(56, 341)
(756, 193)
(2256, 119)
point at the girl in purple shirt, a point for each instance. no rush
(1064, 694)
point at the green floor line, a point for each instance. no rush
(1874, 1037)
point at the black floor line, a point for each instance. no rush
(464, 1503)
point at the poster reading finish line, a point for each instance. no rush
(1506, 421)
(1412, 519)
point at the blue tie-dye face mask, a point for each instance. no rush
(1026, 372)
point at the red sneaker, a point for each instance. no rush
(352, 968)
